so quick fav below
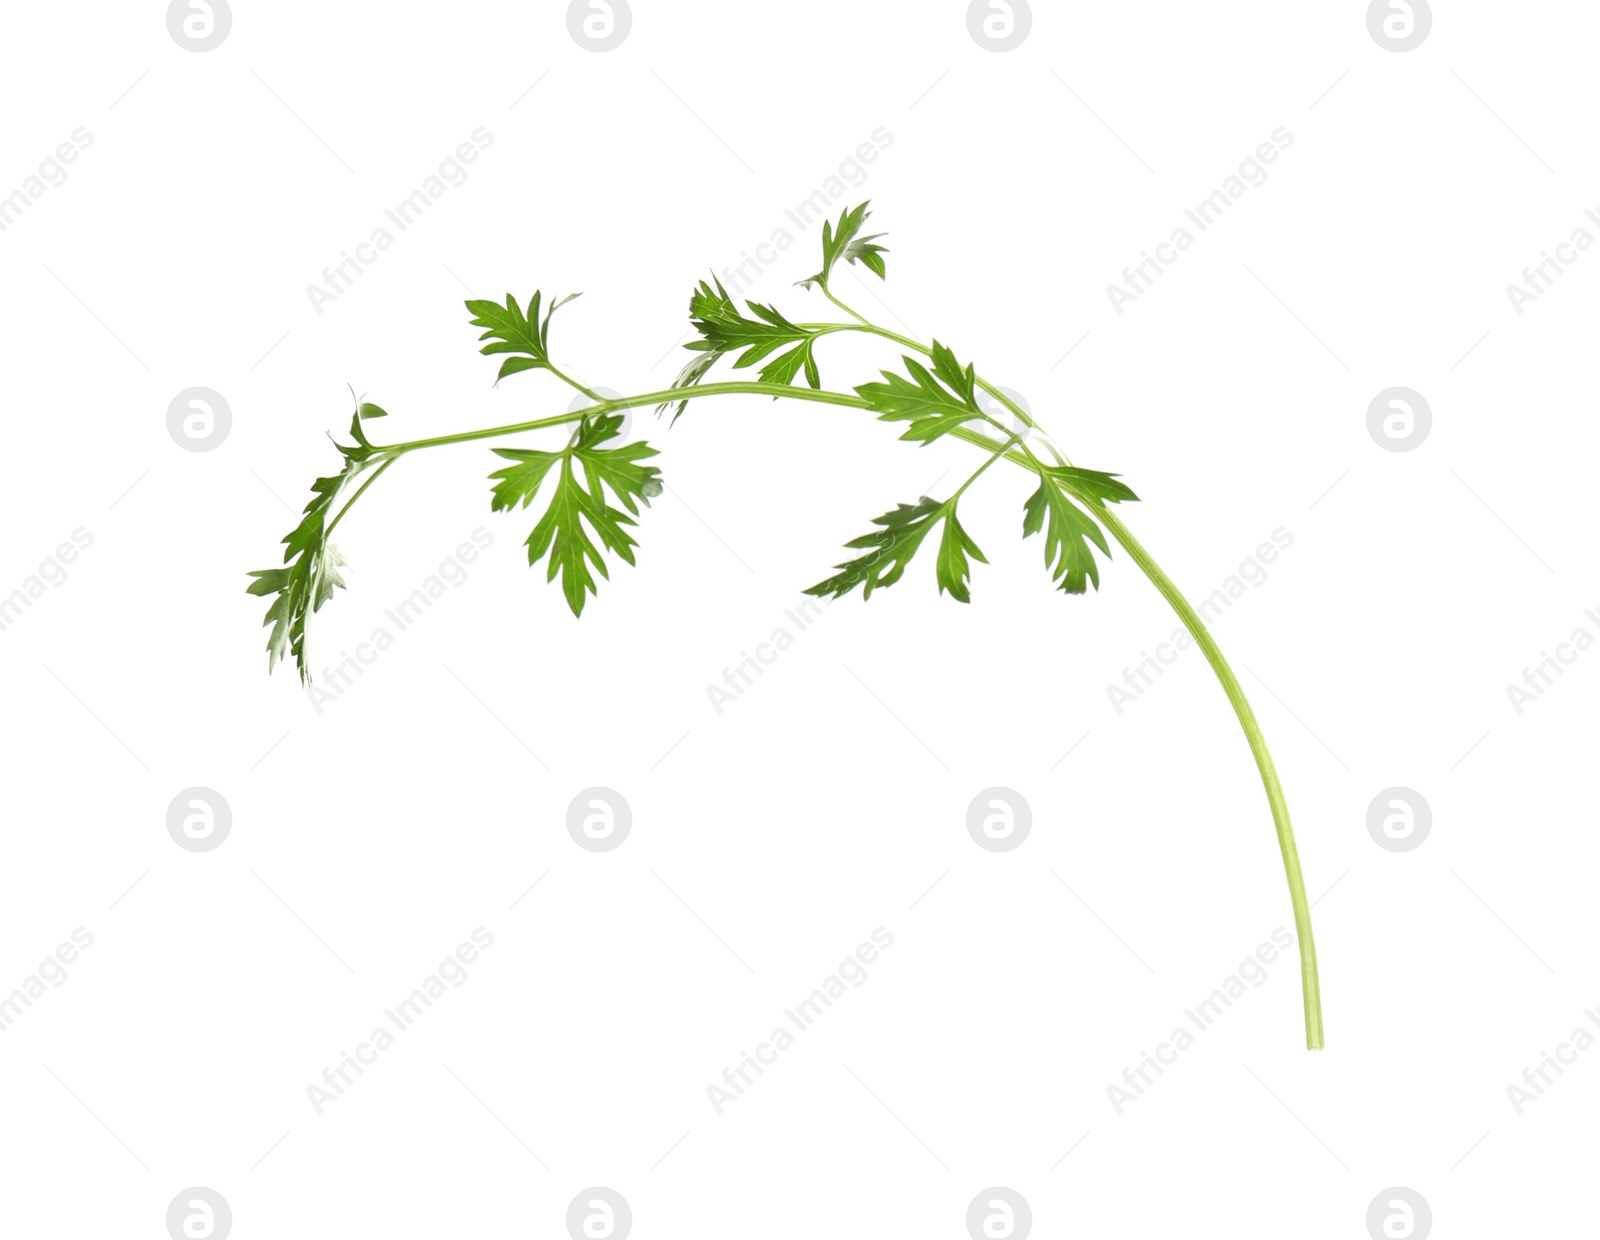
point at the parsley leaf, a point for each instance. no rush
(935, 404)
(514, 332)
(894, 543)
(578, 505)
(952, 568)
(311, 564)
(1070, 529)
(724, 329)
(362, 448)
(846, 243)
(694, 370)
(1092, 484)
(715, 315)
(784, 367)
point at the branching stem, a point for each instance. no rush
(1018, 453)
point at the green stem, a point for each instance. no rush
(911, 343)
(1000, 451)
(573, 383)
(1309, 985)
(665, 397)
(908, 342)
(828, 293)
(360, 491)
(1018, 454)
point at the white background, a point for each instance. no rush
(369, 840)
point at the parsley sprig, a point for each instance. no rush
(591, 489)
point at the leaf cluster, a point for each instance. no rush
(725, 331)
(934, 404)
(847, 242)
(891, 546)
(592, 488)
(310, 571)
(578, 511)
(1058, 508)
(509, 330)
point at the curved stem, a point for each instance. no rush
(828, 293)
(664, 397)
(395, 451)
(438, 441)
(360, 491)
(1018, 454)
(1309, 985)
(573, 383)
(908, 342)
(999, 451)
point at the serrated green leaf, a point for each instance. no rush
(1069, 528)
(845, 241)
(962, 381)
(561, 534)
(311, 569)
(952, 567)
(311, 564)
(1092, 484)
(618, 468)
(691, 374)
(519, 483)
(578, 505)
(724, 330)
(784, 367)
(509, 330)
(934, 406)
(362, 448)
(892, 546)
